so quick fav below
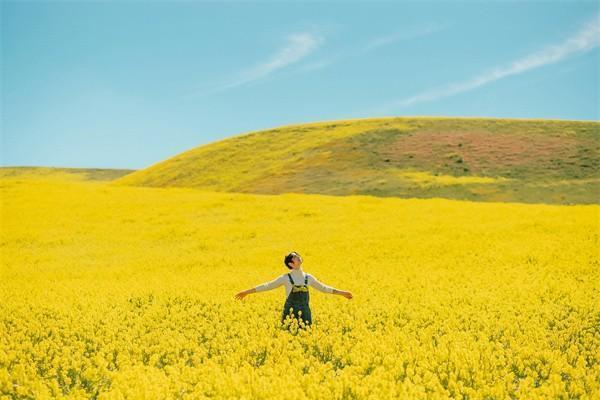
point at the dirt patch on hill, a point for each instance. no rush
(485, 152)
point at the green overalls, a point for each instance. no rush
(298, 301)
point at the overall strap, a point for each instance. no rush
(291, 280)
(306, 279)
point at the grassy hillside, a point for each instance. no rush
(480, 159)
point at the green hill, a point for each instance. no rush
(482, 159)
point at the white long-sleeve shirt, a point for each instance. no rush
(298, 276)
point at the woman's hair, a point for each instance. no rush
(288, 258)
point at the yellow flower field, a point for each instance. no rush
(115, 292)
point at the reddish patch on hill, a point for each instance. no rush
(481, 151)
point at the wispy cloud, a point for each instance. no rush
(297, 47)
(301, 45)
(404, 35)
(374, 43)
(588, 38)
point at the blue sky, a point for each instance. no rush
(128, 84)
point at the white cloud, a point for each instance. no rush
(588, 38)
(403, 35)
(298, 46)
(375, 43)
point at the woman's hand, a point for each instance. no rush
(344, 293)
(241, 295)
(347, 295)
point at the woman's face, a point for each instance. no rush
(296, 261)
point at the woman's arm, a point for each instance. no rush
(314, 282)
(275, 283)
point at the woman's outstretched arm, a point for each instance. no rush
(314, 282)
(275, 283)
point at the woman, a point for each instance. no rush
(297, 297)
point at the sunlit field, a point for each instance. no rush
(112, 292)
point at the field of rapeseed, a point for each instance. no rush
(121, 292)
